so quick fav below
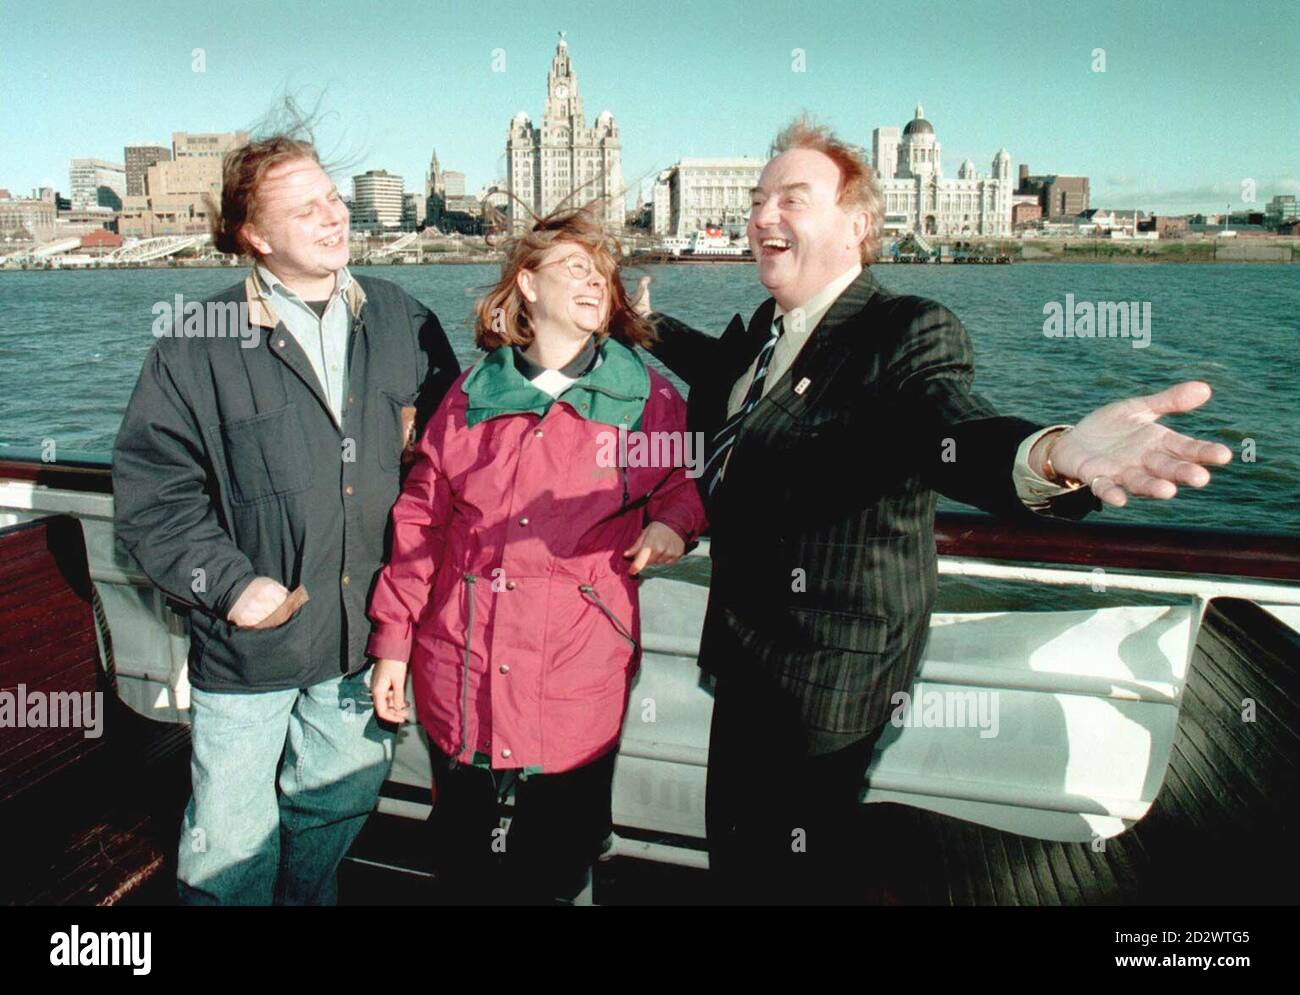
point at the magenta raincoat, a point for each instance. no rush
(507, 589)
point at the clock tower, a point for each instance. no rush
(563, 105)
(562, 162)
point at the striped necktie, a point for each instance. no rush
(726, 437)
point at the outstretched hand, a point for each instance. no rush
(1122, 449)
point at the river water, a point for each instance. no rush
(71, 345)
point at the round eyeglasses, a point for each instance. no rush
(578, 265)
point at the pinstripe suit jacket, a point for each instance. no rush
(824, 567)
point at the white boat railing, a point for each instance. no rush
(1068, 714)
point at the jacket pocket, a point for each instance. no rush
(396, 440)
(835, 670)
(822, 627)
(270, 657)
(265, 456)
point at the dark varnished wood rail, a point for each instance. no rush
(1143, 548)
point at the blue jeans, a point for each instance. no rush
(245, 843)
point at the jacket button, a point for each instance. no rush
(348, 490)
(352, 399)
(537, 433)
(504, 668)
(510, 585)
(524, 520)
(506, 752)
(280, 343)
(345, 580)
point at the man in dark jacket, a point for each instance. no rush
(254, 473)
(834, 419)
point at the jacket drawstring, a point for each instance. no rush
(464, 681)
(591, 591)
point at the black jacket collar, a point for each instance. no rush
(823, 345)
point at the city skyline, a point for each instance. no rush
(1178, 121)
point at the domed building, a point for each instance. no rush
(546, 164)
(919, 199)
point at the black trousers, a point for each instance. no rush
(559, 827)
(781, 824)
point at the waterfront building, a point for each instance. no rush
(1169, 227)
(661, 205)
(138, 160)
(376, 200)
(434, 193)
(96, 183)
(462, 214)
(413, 210)
(884, 152)
(181, 192)
(1281, 208)
(1026, 211)
(99, 243)
(77, 223)
(27, 218)
(433, 178)
(545, 165)
(1061, 197)
(453, 183)
(697, 193)
(919, 198)
(1105, 220)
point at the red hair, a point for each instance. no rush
(858, 187)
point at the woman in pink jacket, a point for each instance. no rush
(512, 591)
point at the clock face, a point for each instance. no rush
(561, 91)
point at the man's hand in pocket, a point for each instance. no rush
(260, 598)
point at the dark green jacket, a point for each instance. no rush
(229, 465)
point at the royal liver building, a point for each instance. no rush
(545, 165)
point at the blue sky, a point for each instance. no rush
(1196, 97)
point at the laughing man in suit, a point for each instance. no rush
(834, 419)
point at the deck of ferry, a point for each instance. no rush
(1209, 821)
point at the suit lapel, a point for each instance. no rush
(823, 350)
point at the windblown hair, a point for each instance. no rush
(241, 174)
(858, 188)
(501, 316)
